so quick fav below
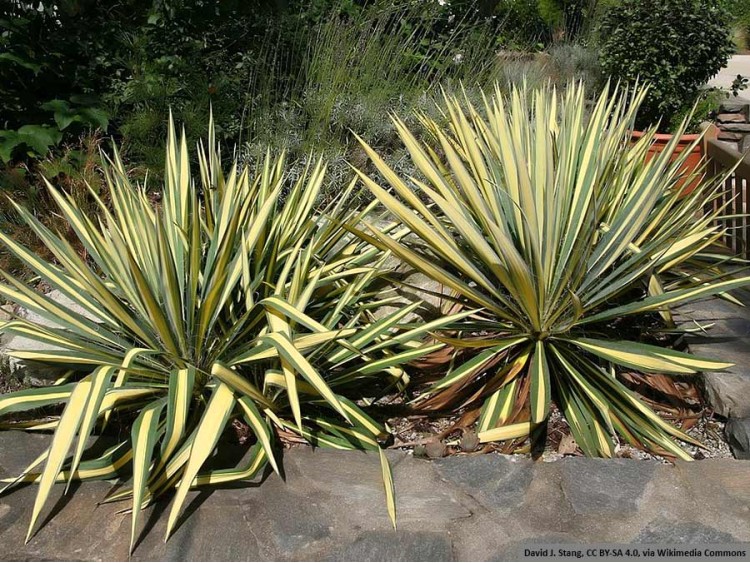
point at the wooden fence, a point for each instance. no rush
(722, 157)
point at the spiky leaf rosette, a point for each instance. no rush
(556, 225)
(225, 301)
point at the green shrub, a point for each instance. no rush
(238, 304)
(574, 62)
(55, 61)
(560, 233)
(675, 45)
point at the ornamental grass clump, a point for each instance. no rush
(233, 298)
(564, 233)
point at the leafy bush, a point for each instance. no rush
(675, 45)
(574, 62)
(244, 303)
(562, 233)
(55, 61)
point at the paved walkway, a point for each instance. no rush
(331, 507)
(738, 64)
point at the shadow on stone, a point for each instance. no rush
(227, 455)
(59, 505)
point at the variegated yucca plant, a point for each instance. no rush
(563, 231)
(232, 298)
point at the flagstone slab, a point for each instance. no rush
(31, 372)
(395, 546)
(498, 482)
(605, 486)
(330, 506)
(675, 532)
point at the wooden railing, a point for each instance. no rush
(722, 157)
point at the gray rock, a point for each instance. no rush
(737, 432)
(355, 480)
(412, 288)
(717, 486)
(736, 127)
(734, 145)
(32, 373)
(728, 136)
(728, 339)
(674, 532)
(396, 546)
(212, 536)
(38, 373)
(597, 486)
(18, 449)
(331, 507)
(286, 524)
(72, 526)
(733, 106)
(498, 482)
(729, 392)
(731, 118)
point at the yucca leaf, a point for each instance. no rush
(238, 383)
(648, 358)
(207, 435)
(667, 298)
(179, 399)
(144, 436)
(390, 494)
(507, 432)
(33, 398)
(303, 367)
(541, 390)
(257, 460)
(475, 365)
(395, 360)
(109, 465)
(497, 407)
(70, 422)
(100, 381)
(260, 428)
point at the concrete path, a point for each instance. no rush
(331, 507)
(738, 64)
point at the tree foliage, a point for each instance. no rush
(675, 45)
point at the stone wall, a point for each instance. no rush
(733, 122)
